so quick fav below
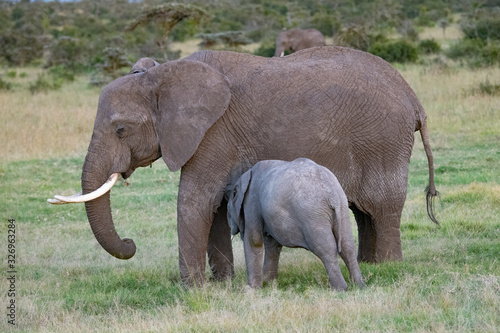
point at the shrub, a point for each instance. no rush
(325, 23)
(429, 46)
(467, 48)
(232, 39)
(11, 74)
(491, 54)
(184, 30)
(68, 52)
(4, 85)
(60, 72)
(475, 52)
(114, 61)
(484, 29)
(488, 88)
(265, 50)
(256, 35)
(353, 36)
(484, 88)
(408, 31)
(19, 47)
(208, 40)
(398, 51)
(44, 84)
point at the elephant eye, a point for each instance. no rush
(120, 131)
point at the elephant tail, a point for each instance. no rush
(337, 224)
(432, 193)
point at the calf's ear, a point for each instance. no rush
(235, 210)
(191, 97)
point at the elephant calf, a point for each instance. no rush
(293, 204)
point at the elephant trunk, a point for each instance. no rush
(279, 51)
(99, 212)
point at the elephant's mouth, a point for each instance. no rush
(128, 173)
(143, 163)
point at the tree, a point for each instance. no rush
(443, 23)
(233, 39)
(167, 16)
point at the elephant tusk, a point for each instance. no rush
(78, 197)
(59, 202)
(282, 54)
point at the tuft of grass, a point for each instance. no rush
(4, 85)
(489, 88)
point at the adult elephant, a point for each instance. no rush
(215, 114)
(296, 39)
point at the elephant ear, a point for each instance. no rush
(142, 65)
(235, 214)
(191, 97)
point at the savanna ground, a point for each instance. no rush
(449, 280)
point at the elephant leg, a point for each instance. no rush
(325, 248)
(389, 237)
(348, 254)
(271, 258)
(367, 236)
(220, 251)
(254, 251)
(253, 244)
(199, 230)
(379, 236)
(192, 250)
(194, 220)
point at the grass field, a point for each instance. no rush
(449, 280)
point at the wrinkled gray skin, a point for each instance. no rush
(296, 39)
(292, 204)
(215, 114)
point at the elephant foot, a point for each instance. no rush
(382, 255)
(194, 280)
(222, 273)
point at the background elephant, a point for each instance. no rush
(297, 39)
(295, 204)
(217, 113)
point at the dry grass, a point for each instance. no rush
(54, 124)
(451, 33)
(454, 111)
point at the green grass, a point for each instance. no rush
(449, 280)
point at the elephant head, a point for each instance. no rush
(163, 111)
(297, 39)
